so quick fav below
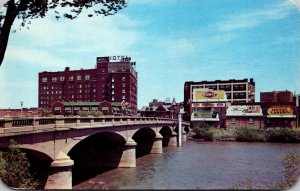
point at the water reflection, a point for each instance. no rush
(200, 165)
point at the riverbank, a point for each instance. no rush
(245, 134)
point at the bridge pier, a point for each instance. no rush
(128, 158)
(157, 145)
(173, 139)
(184, 136)
(60, 176)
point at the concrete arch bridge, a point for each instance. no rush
(56, 146)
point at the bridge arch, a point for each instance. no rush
(144, 137)
(72, 144)
(96, 154)
(166, 132)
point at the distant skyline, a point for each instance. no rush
(171, 42)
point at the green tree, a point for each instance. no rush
(32, 9)
(16, 172)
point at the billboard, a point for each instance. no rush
(280, 110)
(244, 110)
(209, 95)
(208, 105)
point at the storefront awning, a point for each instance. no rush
(205, 119)
(281, 116)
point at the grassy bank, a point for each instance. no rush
(246, 134)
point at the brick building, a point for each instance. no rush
(237, 91)
(105, 107)
(114, 79)
(279, 109)
(244, 115)
(24, 112)
(276, 96)
(161, 109)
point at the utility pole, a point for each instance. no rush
(21, 102)
(180, 128)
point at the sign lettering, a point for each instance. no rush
(280, 110)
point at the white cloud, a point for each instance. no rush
(255, 17)
(32, 57)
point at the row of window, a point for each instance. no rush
(62, 78)
(236, 87)
(250, 120)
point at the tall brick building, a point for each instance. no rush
(113, 79)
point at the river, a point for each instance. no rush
(200, 165)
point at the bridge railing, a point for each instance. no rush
(9, 125)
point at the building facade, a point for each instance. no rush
(279, 109)
(104, 108)
(24, 112)
(208, 107)
(237, 91)
(161, 109)
(244, 115)
(114, 79)
(276, 96)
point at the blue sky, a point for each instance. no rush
(172, 41)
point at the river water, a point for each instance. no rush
(200, 165)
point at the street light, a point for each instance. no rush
(180, 127)
(21, 102)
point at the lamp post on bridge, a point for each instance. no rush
(21, 102)
(180, 127)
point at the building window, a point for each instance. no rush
(112, 86)
(54, 79)
(123, 78)
(250, 120)
(113, 92)
(232, 120)
(112, 98)
(123, 91)
(62, 78)
(87, 77)
(71, 78)
(94, 90)
(79, 77)
(44, 80)
(123, 85)
(123, 97)
(112, 79)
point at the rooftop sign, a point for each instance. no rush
(113, 59)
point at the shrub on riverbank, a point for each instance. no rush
(221, 134)
(203, 132)
(282, 135)
(244, 134)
